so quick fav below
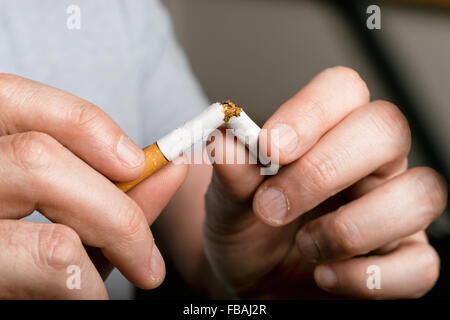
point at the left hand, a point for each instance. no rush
(343, 201)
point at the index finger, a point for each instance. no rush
(300, 122)
(79, 125)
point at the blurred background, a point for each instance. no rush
(258, 53)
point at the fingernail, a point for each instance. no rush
(273, 205)
(307, 247)
(156, 265)
(130, 154)
(325, 277)
(285, 138)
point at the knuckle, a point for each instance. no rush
(32, 150)
(130, 222)
(390, 121)
(58, 247)
(84, 114)
(320, 172)
(351, 77)
(432, 191)
(345, 235)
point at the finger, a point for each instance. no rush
(391, 246)
(40, 174)
(45, 261)
(324, 102)
(79, 125)
(333, 93)
(319, 106)
(377, 178)
(408, 272)
(398, 208)
(235, 173)
(228, 199)
(153, 194)
(371, 137)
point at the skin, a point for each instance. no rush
(345, 182)
(58, 155)
(349, 202)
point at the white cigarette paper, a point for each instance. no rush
(247, 132)
(180, 140)
(183, 138)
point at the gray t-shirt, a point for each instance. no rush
(124, 58)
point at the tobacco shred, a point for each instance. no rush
(230, 110)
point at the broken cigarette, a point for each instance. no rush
(183, 138)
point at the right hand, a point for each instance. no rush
(58, 154)
(344, 201)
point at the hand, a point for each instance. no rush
(57, 154)
(343, 201)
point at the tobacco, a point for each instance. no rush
(230, 110)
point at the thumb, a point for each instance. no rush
(230, 194)
(154, 193)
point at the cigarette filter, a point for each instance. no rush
(183, 138)
(154, 160)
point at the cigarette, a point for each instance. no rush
(183, 138)
(247, 132)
